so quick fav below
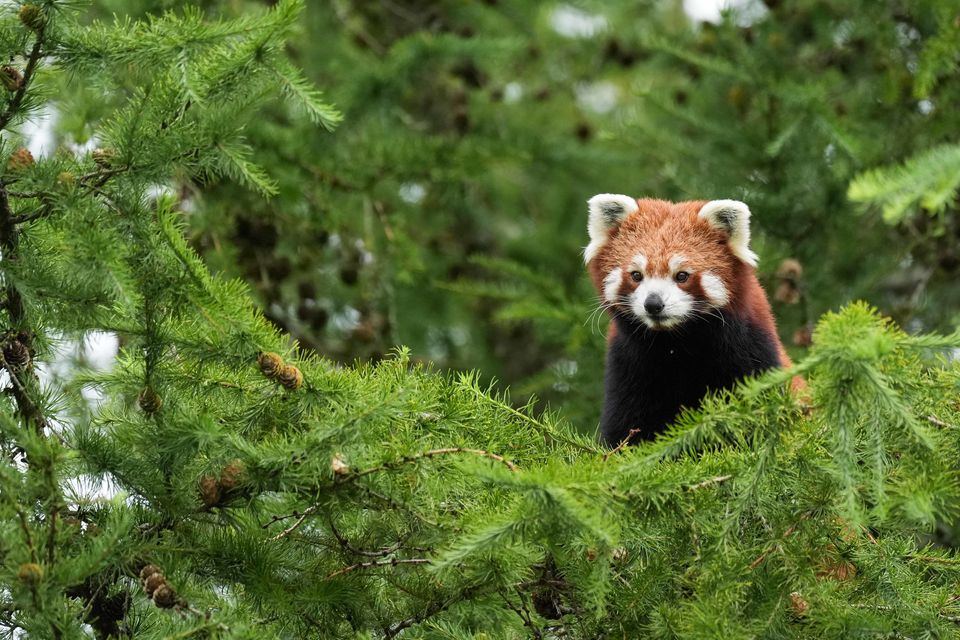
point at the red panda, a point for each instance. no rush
(688, 313)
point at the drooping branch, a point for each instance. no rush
(33, 59)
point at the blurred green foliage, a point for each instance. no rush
(447, 212)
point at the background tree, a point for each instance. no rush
(221, 480)
(475, 132)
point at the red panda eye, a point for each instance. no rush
(636, 276)
(682, 276)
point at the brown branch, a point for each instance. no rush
(432, 609)
(786, 534)
(708, 482)
(32, 60)
(940, 423)
(428, 454)
(42, 212)
(393, 562)
(622, 445)
(303, 516)
(379, 553)
(27, 536)
(27, 195)
(524, 613)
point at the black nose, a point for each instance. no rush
(653, 304)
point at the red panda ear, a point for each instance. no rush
(607, 211)
(733, 218)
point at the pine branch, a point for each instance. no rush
(33, 59)
(427, 454)
(392, 562)
(929, 179)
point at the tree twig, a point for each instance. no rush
(622, 445)
(296, 525)
(379, 553)
(32, 60)
(428, 454)
(940, 423)
(786, 534)
(392, 562)
(709, 481)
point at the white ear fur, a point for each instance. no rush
(607, 210)
(733, 218)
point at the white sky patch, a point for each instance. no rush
(38, 132)
(829, 153)
(572, 22)
(746, 11)
(157, 191)
(100, 349)
(86, 489)
(513, 92)
(564, 370)
(412, 192)
(599, 97)
(925, 107)
(346, 320)
(83, 149)
(365, 256)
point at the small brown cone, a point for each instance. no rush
(803, 337)
(149, 400)
(165, 597)
(154, 582)
(787, 292)
(16, 354)
(270, 364)
(839, 570)
(30, 573)
(11, 78)
(103, 157)
(798, 605)
(790, 269)
(32, 17)
(210, 493)
(66, 180)
(231, 476)
(290, 377)
(148, 571)
(20, 159)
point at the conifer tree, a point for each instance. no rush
(220, 481)
(476, 132)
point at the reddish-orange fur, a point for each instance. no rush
(661, 229)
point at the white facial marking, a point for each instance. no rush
(676, 262)
(714, 289)
(639, 263)
(606, 211)
(677, 304)
(611, 285)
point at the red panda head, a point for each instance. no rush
(664, 262)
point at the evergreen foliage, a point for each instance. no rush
(480, 129)
(222, 481)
